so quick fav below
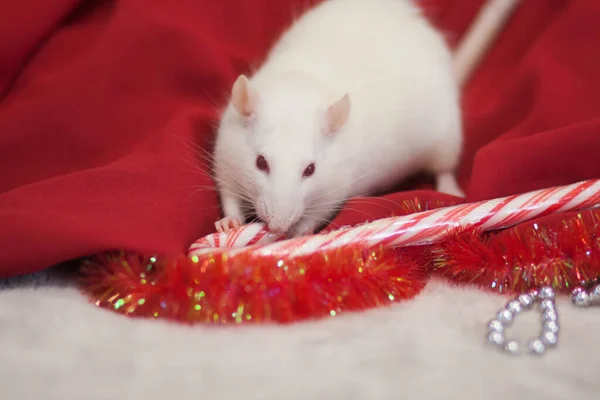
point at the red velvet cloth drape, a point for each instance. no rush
(104, 103)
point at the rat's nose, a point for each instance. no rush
(281, 218)
(278, 225)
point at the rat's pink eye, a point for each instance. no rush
(308, 171)
(262, 164)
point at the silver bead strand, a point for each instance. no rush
(582, 297)
(545, 297)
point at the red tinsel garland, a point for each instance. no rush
(561, 255)
(246, 288)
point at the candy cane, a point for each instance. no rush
(419, 228)
(245, 236)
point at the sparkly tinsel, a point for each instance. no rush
(561, 254)
(249, 289)
(245, 288)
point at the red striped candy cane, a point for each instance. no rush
(429, 226)
(245, 236)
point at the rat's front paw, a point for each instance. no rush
(227, 224)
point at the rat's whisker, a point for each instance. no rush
(333, 203)
(237, 190)
(199, 172)
(390, 206)
(226, 173)
(200, 188)
(227, 176)
(239, 194)
(228, 168)
(218, 106)
(194, 148)
(359, 211)
(254, 220)
(337, 208)
(194, 164)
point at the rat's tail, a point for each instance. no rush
(480, 36)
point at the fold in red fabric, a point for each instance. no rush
(106, 106)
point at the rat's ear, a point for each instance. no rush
(337, 114)
(244, 97)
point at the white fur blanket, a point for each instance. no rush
(55, 345)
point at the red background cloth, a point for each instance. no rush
(103, 104)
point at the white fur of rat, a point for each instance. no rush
(356, 96)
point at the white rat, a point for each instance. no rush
(354, 97)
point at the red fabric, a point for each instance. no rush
(103, 105)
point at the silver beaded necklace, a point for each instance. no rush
(544, 298)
